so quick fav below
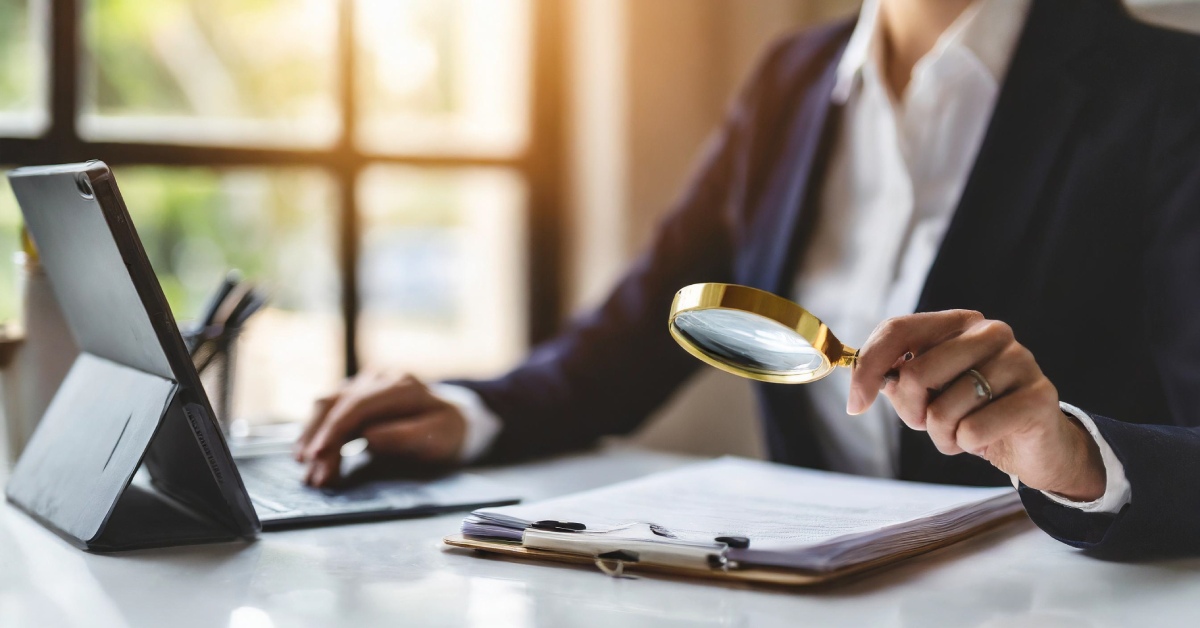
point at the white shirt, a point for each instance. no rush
(896, 174)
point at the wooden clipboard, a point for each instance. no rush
(768, 576)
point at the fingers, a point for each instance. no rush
(960, 399)
(894, 338)
(368, 398)
(428, 437)
(966, 423)
(986, 431)
(321, 409)
(988, 347)
(433, 436)
(942, 364)
(1020, 429)
(323, 471)
(371, 397)
(1008, 374)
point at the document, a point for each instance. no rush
(793, 517)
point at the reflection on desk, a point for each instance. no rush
(399, 573)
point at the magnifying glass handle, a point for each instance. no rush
(850, 358)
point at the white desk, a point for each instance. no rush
(399, 574)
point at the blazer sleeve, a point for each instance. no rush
(1162, 519)
(613, 366)
(1162, 462)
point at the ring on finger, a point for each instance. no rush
(983, 389)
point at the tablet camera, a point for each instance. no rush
(84, 186)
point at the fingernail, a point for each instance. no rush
(854, 406)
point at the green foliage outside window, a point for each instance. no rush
(18, 72)
(219, 58)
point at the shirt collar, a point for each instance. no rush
(988, 30)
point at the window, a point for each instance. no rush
(435, 244)
(274, 225)
(218, 72)
(373, 162)
(23, 103)
(438, 77)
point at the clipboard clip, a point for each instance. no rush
(613, 550)
(558, 526)
(619, 557)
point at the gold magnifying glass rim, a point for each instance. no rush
(724, 296)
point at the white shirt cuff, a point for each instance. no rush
(1117, 492)
(482, 425)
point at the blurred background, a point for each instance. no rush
(426, 185)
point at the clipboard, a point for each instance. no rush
(752, 575)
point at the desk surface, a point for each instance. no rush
(399, 573)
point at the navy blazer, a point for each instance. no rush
(1079, 226)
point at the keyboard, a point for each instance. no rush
(276, 486)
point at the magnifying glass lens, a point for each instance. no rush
(751, 341)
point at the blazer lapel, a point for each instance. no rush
(772, 237)
(1011, 180)
(1033, 116)
(776, 229)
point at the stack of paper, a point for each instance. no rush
(794, 518)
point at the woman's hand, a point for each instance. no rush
(396, 414)
(921, 361)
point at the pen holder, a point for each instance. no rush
(214, 353)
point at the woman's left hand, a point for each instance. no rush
(1021, 429)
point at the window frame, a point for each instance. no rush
(539, 164)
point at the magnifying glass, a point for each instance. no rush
(755, 334)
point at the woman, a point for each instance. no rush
(1036, 161)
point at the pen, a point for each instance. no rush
(228, 283)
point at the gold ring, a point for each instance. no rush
(982, 387)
